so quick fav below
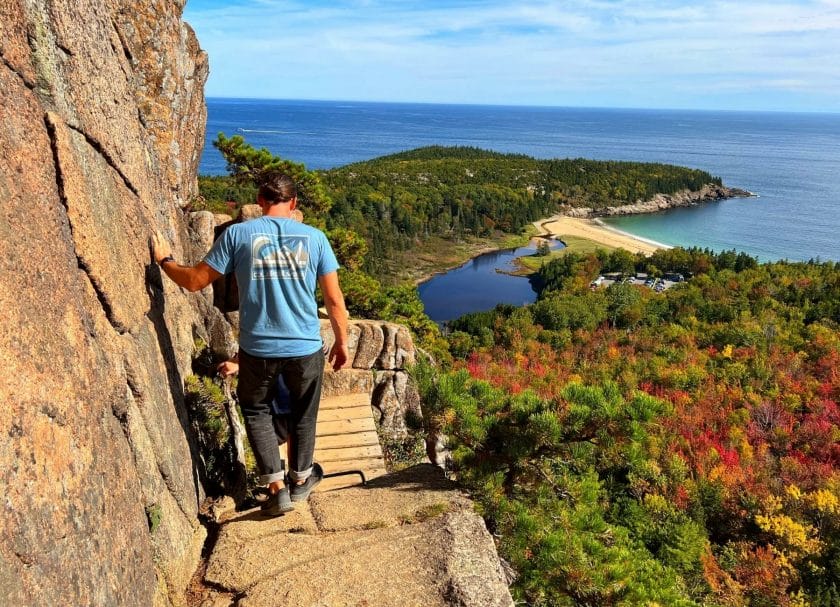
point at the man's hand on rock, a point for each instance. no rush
(160, 247)
(228, 368)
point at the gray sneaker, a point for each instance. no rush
(302, 491)
(277, 504)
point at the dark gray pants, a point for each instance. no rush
(257, 385)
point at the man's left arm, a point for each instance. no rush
(337, 312)
(192, 278)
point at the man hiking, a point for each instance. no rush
(277, 262)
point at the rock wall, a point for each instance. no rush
(101, 129)
(379, 354)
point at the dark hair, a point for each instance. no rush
(277, 187)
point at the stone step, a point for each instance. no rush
(408, 539)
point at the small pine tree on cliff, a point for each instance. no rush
(247, 164)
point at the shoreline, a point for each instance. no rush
(586, 223)
(477, 253)
(594, 229)
(474, 250)
(650, 241)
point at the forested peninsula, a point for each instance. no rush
(449, 203)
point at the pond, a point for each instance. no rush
(479, 285)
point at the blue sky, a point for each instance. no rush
(734, 54)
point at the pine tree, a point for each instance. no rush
(249, 165)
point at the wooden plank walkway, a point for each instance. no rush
(346, 439)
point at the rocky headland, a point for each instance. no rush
(661, 202)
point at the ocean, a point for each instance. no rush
(791, 161)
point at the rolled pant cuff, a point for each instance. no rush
(266, 479)
(300, 476)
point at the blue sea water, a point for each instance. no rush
(792, 161)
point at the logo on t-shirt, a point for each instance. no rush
(273, 258)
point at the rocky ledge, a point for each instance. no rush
(408, 538)
(662, 202)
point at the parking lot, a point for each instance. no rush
(642, 280)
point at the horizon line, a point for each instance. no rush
(523, 105)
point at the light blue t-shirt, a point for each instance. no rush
(277, 262)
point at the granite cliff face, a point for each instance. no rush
(101, 129)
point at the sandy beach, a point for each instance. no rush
(593, 229)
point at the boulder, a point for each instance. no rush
(249, 211)
(222, 219)
(202, 233)
(395, 399)
(366, 343)
(347, 381)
